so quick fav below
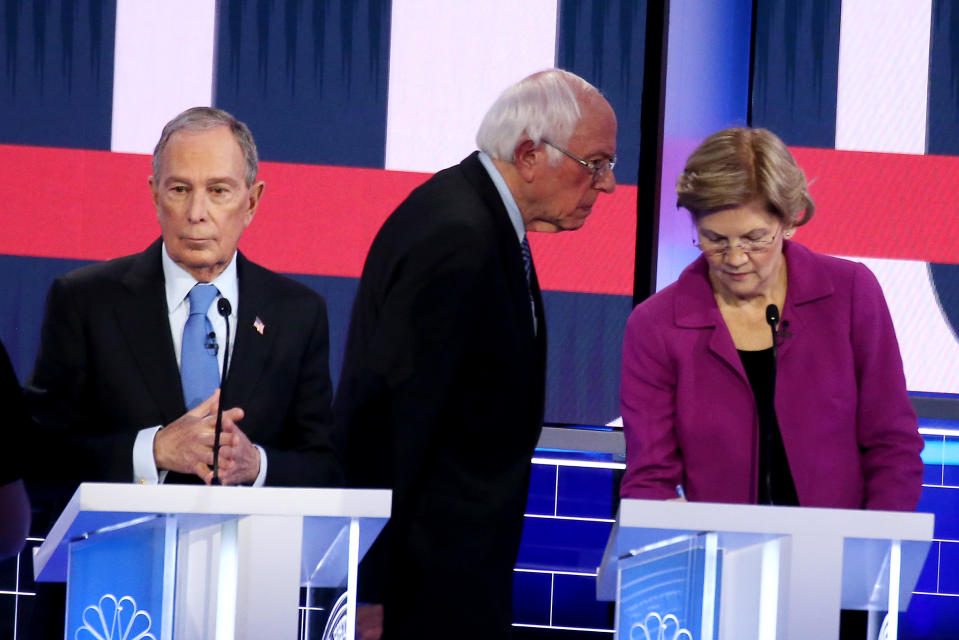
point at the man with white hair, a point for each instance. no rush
(442, 390)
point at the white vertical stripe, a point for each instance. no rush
(883, 75)
(929, 347)
(163, 64)
(448, 62)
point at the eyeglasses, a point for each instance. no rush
(720, 247)
(599, 168)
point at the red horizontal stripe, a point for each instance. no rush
(882, 205)
(95, 205)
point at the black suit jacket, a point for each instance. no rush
(106, 369)
(441, 400)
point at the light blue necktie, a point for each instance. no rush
(198, 366)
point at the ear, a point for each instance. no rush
(154, 191)
(526, 157)
(788, 233)
(256, 192)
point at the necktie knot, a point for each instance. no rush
(201, 297)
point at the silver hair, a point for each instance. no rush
(545, 105)
(203, 119)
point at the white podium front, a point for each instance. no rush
(757, 571)
(179, 561)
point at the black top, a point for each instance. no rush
(14, 422)
(775, 480)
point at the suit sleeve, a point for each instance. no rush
(72, 441)
(886, 424)
(654, 463)
(306, 456)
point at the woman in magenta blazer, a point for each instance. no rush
(822, 419)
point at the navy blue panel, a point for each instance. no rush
(930, 618)
(949, 568)
(339, 294)
(8, 574)
(56, 80)
(575, 604)
(23, 289)
(943, 118)
(945, 281)
(309, 78)
(585, 352)
(541, 499)
(929, 577)
(23, 292)
(943, 502)
(950, 476)
(796, 70)
(932, 474)
(531, 597)
(604, 41)
(562, 545)
(585, 492)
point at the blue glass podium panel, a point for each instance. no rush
(671, 590)
(127, 582)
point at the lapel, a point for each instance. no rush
(252, 349)
(808, 281)
(142, 317)
(694, 307)
(511, 255)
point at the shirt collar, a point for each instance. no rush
(178, 282)
(508, 200)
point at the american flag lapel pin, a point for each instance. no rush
(258, 325)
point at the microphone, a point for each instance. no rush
(772, 319)
(211, 343)
(224, 309)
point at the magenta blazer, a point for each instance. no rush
(690, 418)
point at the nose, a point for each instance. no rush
(196, 212)
(607, 182)
(735, 256)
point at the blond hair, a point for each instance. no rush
(739, 165)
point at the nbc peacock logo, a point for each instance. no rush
(112, 619)
(657, 627)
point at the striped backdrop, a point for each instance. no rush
(352, 102)
(867, 95)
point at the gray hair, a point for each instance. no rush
(203, 119)
(543, 106)
(739, 165)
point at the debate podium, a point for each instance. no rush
(156, 562)
(706, 571)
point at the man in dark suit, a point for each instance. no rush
(441, 396)
(107, 387)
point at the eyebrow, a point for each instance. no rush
(748, 233)
(218, 180)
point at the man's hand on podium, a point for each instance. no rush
(186, 444)
(369, 622)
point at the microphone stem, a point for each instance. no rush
(219, 409)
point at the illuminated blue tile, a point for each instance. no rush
(943, 502)
(531, 597)
(949, 569)
(950, 475)
(562, 545)
(932, 474)
(930, 618)
(585, 492)
(542, 490)
(575, 604)
(929, 577)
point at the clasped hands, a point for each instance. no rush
(186, 445)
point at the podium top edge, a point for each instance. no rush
(192, 499)
(747, 518)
